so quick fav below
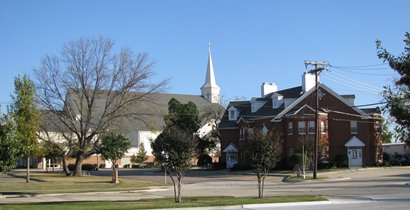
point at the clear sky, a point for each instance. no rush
(252, 41)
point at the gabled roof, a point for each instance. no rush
(152, 110)
(294, 92)
(304, 108)
(231, 148)
(306, 94)
(354, 142)
(268, 111)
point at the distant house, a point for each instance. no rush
(345, 130)
(151, 120)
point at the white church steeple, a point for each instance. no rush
(210, 90)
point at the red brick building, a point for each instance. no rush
(345, 130)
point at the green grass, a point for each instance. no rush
(295, 178)
(59, 183)
(164, 203)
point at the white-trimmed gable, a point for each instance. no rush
(256, 105)
(233, 113)
(231, 148)
(306, 94)
(354, 142)
(304, 107)
(277, 100)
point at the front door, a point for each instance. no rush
(355, 156)
(231, 159)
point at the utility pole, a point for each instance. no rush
(318, 67)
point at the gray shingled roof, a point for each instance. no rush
(266, 110)
(152, 110)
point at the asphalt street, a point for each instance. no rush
(369, 188)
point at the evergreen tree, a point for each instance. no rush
(141, 155)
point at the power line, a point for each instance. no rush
(353, 85)
(360, 66)
(370, 74)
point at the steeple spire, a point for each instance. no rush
(210, 90)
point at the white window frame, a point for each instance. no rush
(311, 127)
(290, 128)
(242, 134)
(232, 115)
(354, 128)
(302, 125)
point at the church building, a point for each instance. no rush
(141, 132)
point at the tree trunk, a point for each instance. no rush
(65, 167)
(46, 165)
(78, 165)
(179, 177)
(115, 178)
(175, 187)
(28, 170)
(52, 162)
(259, 185)
(263, 183)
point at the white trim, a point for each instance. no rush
(231, 148)
(304, 106)
(311, 91)
(354, 142)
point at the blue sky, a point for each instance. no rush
(252, 41)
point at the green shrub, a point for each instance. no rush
(341, 161)
(297, 160)
(204, 161)
(84, 167)
(386, 158)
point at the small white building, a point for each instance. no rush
(396, 148)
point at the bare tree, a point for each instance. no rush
(49, 135)
(89, 88)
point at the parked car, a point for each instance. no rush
(399, 160)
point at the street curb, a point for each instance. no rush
(261, 205)
(265, 205)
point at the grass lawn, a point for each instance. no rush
(59, 183)
(164, 203)
(295, 178)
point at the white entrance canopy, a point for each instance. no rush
(354, 142)
(231, 148)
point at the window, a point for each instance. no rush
(232, 115)
(242, 133)
(353, 127)
(290, 128)
(302, 127)
(311, 128)
(323, 126)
